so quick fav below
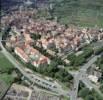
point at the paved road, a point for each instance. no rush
(90, 85)
(75, 88)
(89, 63)
(82, 76)
(33, 78)
(78, 75)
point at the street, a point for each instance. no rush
(78, 76)
(33, 78)
(82, 76)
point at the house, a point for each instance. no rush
(21, 54)
(94, 73)
(93, 78)
(41, 61)
(35, 56)
(27, 37)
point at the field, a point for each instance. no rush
(5, 70)
(5, 65)
(79, 12)
(5, 82)
(6, 78)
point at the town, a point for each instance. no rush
(52, 61)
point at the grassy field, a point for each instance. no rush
(5, 81)
(5, 65)
(79, 12)
(6, 78)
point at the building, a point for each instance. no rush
(42, 60)
(21, 54)
(36, 58)
(18, 92)
(93, 78)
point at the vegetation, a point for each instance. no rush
(99, 63)
(54, 58)
(98, 51)
(84, 92)
(65, 98)
(8, 79)
(6, 69)
(101, 88)
(0, 49)
(79, 12)
(87, 94)
(5, 65)
(35, 36)
(81, 59)
(58, 73)
(51, 70)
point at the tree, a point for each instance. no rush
(101, 88)
(89, 97)
(87, 52)
(84, 92)
(98, 51)
(72, 58)
(29, 65)
(63, 75)
(35, 36)
(79, 61)
(99, 63)
(81, 85)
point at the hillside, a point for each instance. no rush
(79, 12)
(8, 4)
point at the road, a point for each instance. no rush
(90, 85)
(89, 63)
(75, 88)
(33, 78)
(82, 76)
(78, 76)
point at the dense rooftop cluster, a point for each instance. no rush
(25, 51)
(28, 53)
(53, 36)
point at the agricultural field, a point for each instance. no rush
(6, 69)
(5, 82)
(79, 12)
(6, 77)
(5, 65)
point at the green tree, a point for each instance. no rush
(101, 88)
(79, 61)
(98, 51)
(72, 58)
(89, 97)
(84, 92)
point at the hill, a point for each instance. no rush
(79, 12)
